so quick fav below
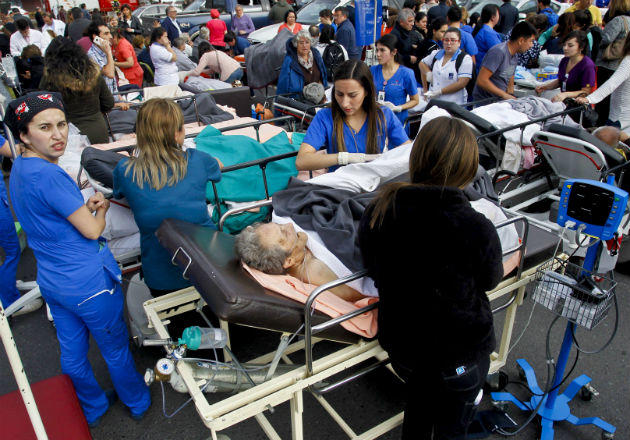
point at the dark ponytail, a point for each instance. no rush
(487, 13)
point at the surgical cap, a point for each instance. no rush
(23, 109)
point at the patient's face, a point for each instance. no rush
(285, 236)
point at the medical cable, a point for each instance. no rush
(534, 412)
(531, 313)
(612, 336)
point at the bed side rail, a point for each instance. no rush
(311, 330)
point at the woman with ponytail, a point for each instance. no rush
(484, 33)
(430, 253)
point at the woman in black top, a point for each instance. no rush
(433, 257)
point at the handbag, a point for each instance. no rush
(614, 51)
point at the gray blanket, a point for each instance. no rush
(124, 122)
(536, 107)
(264, 60)
(333, 213)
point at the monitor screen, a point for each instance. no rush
(590, 204)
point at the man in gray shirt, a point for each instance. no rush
(496, 76)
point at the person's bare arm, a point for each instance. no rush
(308, 159)
(413, 101)
(483, 81)
(108, 69)
(319, 273)
(5, 150)
(90, 226)
(584, 91)
(548, 85)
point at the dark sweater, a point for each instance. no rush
(433, 261)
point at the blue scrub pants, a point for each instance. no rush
(102, 316)
(11, 245)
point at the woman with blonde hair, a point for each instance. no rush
(163, 181)
(407, 237)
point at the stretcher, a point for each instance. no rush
(206, 257)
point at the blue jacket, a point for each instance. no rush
(171, 30)
(291, 79)
(346, 36)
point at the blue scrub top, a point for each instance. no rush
(320, 134)
(186, 200)
(401, 84)
(485, 39)
(43, 197)
(468, 44)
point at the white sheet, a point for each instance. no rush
(367, 176)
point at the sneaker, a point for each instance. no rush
(112, 397)
(29, 307)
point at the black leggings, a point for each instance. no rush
(441, 402)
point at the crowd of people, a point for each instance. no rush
(72, 65)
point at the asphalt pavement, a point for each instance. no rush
(375, 397)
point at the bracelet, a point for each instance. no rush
(343, 157)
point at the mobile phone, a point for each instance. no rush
(99, 41)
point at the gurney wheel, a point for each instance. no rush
(586, 395)
(501, 405)
(497, 381)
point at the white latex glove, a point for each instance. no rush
(432, 94)
(391, 106)
(345, 158)
(429, 76)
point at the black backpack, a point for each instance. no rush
(333, 57)
(458, 62)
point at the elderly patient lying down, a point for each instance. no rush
(279, 249)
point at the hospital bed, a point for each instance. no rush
(302, 111)
(207, 258)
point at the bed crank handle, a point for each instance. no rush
(180, 249)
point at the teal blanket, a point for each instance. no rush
(247, 185)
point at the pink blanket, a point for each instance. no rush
(328, 303)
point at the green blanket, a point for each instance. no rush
(247, 185)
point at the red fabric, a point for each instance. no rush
(85, 43)
(297, 28)
(124, 50)
(58, 406)
(217, 30)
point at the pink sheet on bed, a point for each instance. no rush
(328, 303)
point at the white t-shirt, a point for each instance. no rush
(446, 75)
(165, 69)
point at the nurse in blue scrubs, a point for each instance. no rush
(394, 81)
(77, 274)
(354, 128)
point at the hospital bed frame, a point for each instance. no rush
(291, 385)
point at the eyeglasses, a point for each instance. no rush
(450, 40)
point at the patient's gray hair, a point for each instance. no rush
(252, 252)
